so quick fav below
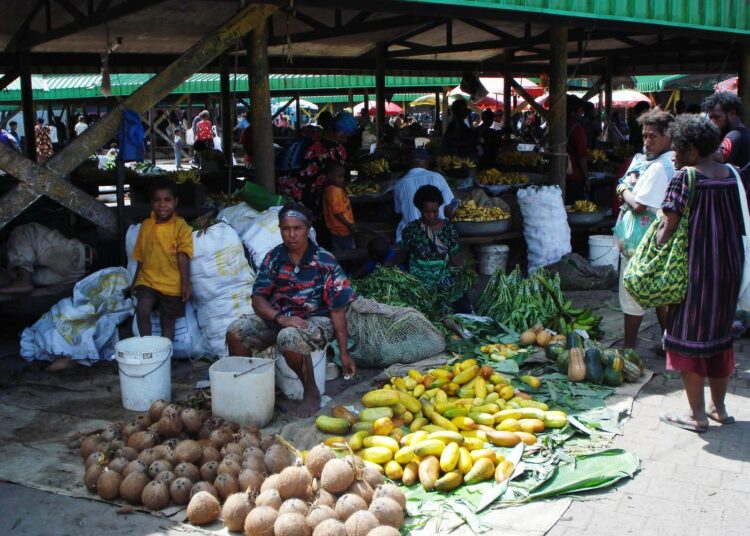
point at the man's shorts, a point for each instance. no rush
(168, 306)
(258, 334)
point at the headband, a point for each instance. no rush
(295, 214)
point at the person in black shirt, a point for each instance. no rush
(725, 111)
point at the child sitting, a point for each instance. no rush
(380, 253)
(163, 250)
(337, 211)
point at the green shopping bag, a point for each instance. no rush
(658, 276)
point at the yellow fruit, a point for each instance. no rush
(465, 462)
(555, 419)
(332, 425)
(429, 471)
(533, 404)
(447, 437)
(418, 391)
(397, 434)
(430, 428)
(442, 374)
(476, 434)
(404, 455)
(410, 474)
(483, 469)
(429, 447)
(363, 426)
(441, 421)
(509, 425)
(379, 455)
(407, 417)
(418, 437)
(528, 337)
(473, 443)
(531, 426)
(501, 415)
(441, 397)
(503, 439)
(341, 412)
(532, 413)
(381, 441)
(466, 375)
(356, 440)
(503, 471)
(382, 427)
(417, 424)
(335, 441)
(455, 411)
(506, 392)
(492, 397)
(485, 419)
(380, 398)
(449, 457)
(532, 381)
(415, 375)
(373, 414)
(410, 402)
(464, 423)
(393, 470)
(486, 408)
(449, 481)
(526, 437)
(409, 383)
(398, 383)
(484, 453)
(480, 387)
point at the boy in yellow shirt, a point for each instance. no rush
(337, 211)
(163, 251)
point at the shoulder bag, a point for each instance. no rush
(743, 301)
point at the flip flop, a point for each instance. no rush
(673, 420)
(728, 420)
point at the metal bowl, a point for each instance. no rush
(482, 228)
(586, 218)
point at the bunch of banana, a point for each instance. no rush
(182, 176)
(373, 168)
(570, 318)
(584, 205)
(517, 158)
(362, 188)
(493, 176)
(597, 155)
(469, 211)
(447, 162)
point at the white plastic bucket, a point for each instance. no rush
(291, 385)
(242, 389)
(145, 371)
(492, 257)
(603, 250)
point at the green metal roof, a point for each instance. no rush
(694, 82)
(713, 15)
(78, 87)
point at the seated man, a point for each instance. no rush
(299, 299)
(39, 256)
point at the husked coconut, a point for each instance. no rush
(95, 458)
(203, 486)
(361, 488)
(132, 486)
(232, 448)
(318, 514)
(277, 458)
(221, 437)
(156, 409)
(373, 477)
(271, 482)
(348, 504)
(203, 509)
(294, 482)
(166, 476)
(230, 467)
(330, 527)
(392, 491)
(149, 456)
(142, 441)
(136, 466)
(91, 476)
(169, 425)
(317, 458)
(337, 475)
(209, 454)
(155, 495)
(256, 464)
(248, 439)
(384, 530)
(188, 451)
(260, 520)
(296, 506)
(179, 490)
(235, 510)
(291, 525)
(325, 498)
(225, 485)
(208, 471)
(387, 511)
(89, 445)
(188, 470)
(158, 466)
(108, 485)
(191, 420)
(360, 523)
(127, 452)
(249, 480)
(270, 498)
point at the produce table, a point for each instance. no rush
(482, 240)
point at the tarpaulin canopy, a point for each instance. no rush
(390, 108)
(730, 84)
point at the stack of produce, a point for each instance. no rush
(449, 164)
(493, 176)
(541, 337)
(567, 318)
(520, 159)
(588, 362)
(469, 211)
(455, 416)
(598, 156)
(373, 168)
(181, 176)
(362, 188)
(582, 205)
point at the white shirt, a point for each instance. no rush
(52, 133)
(80, 127)
(407, 186)
(651, 186)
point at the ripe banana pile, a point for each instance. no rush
(584, 205)
(447, 162)
(493, 176)
(373, 168)
(469, 211)
(518, 158)
(362, 188)
(440, 428)
(597, 155)
(181, 176)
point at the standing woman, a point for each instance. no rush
(698, 338)
(43, 141)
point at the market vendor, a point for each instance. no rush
(430, 245)
(299, 299)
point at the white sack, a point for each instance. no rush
(545, 225)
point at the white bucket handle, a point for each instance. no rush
(591, 261)
(136, 376)
(238, 374)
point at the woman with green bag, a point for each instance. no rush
(642, 191)
(698, 338)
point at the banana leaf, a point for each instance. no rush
(588, 472)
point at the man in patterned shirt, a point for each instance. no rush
(299, 298)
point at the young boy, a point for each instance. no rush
(337, 211)
(163, 250)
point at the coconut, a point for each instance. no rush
(325, 499)
(203, 509)
(337, 475)
(232, 457)
(330, 527)
(297, 506)
(266, 442)
(260, 521)
(169, 455)
(191, 420)
(158, 466)
(95, 458)
(209, 454)
(291, 525)
(208, 471)
(229, 467)
(172, 411)
(169, 425)
(156, 409)
(248, 440)
(142, 441)
(188, 451)
(149, 456)
(108, 485)
(361, 488)
(294, 481)
(155, 495)
(271, 482)
(360, 523)
(277, 458)
(253, 452)
(172, 442)
(91, 476)
(318, 514)
(225, 485)
(130, 429)
(143, 421)
(232, 448)
(256, 464)
(110, 434)
(179, 490)
(233, 426)
(317, 458)
(249, 480)
(188, 470)
(221, 437)
(127, 452)
(203, 486)
(387, 511)
(269, 497)
(89, 445)
(235, 510)
(384, 530)
(373, 477)
(166, 476)
(132, 486)
(392, 491)
(348, 504)
(115, 444)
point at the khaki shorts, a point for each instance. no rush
(258, 334)
(627, 303)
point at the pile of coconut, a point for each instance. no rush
(188, 457)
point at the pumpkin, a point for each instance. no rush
(553, 351)
(562, 361)
(631, 356)
(630, 371)
(575, 341)
(613, 373)
(609, 355)
(576, 365)
(594, 369)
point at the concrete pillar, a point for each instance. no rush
(558, 112)
(260, 109)
(743, 90)
(507, 89)
(380, 52)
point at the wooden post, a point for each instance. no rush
(437, 112)
(743, 90)
(350, 99)
(120, 194)
(366, 103)
(260, 108)
(558, 109)
(608, 91)
(446, 112)
(380, 51)
(298, 113)
(226, 111)
(507, 89)
(27, 102)
(152, 134)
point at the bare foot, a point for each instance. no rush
(62, 363)
(686, 422)
(720, 416)
(310, 405)
(17, 287)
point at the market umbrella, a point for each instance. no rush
(496, 86)
(307, 105)
(391, 108)
(625, 98)
(730, 84)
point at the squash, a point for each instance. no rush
(562, 361)
(630, 371)
(594, 369)
(632, 356)
(576, 366)
(613, 373)
(575, 341)
(553, 351)
(609, 355)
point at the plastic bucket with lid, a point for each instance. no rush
(145, 365)
(492, 257)
(288, 381)
(242, 389)
(603, 250)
